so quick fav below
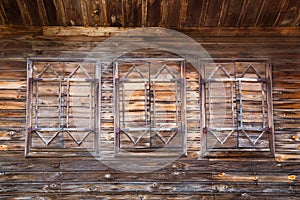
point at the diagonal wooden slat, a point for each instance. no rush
(219, 68)
(297, 20)
(3, 16)
(241, 18)
(76, 140)
(164, 68)
(45, 141)
(132, 70)
(24, 12)
(224, 139)
(223, 12)
(253, 141)
(48, 67)
(42, 13)
(283, 7)
(248, 69)
(166, 140)
(260, 15)
(203, 14)
(60, 12)
(79, 67)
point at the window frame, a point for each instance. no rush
(205, 152)
(93, 128)
(117, 115)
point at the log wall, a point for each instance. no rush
(190, 177)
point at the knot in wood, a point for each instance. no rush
(295, 137)
(292, 177)
(12, 133)
(92, 188)
(108, 176)
(255, 178)
(55, 165)
(155, 185)
(53, 185)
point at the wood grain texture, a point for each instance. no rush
(3, 17)
(204, 31)
(12, 12)
(24, 12)
(144, 13)
(189, 177)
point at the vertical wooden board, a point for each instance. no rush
(233, 12)
(153, 12)
(84, 13)
(95, 12)
(32, 8)
(115, 13)
(24, 12)
(73, 12)
(212, 15)
(12, 12)
(193, 12)
(42, 12)
(251, 13)
(174, 13)
(133, 13)
(51, 13)
(60, 12)
(290, 14)
(270, 14)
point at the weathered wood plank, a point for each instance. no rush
(144, 13)
(213, 13)
(183, 13)
(242, 13)
(193, 13)
(3, 16)
(42, 13)
(12, 12)
(60, 12)
(232, 14)
(24, 12)
(251, 13)
(73, 13)
(114, 13)
(283, 6)
(261, 13)
(154, 13)
(102, 31)
(215, 178)
(84, 13)
(51, 13)
(96, 16)
(289, 13)
(206, 196)
(104, 13)
(268, 16)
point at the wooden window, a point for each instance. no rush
(149, 105)
(62, 115)
(237, 107)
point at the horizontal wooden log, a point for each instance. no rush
(207, 196)
(108, 31)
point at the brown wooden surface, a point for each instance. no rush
(188, 177)
(136, 13)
